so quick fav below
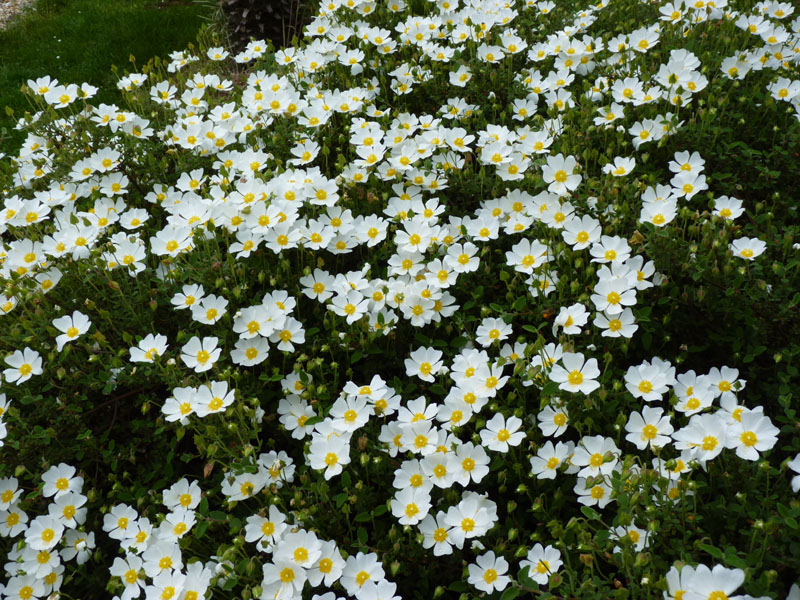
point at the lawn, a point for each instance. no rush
(80, 40)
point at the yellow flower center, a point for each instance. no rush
(749, 439)
(542, 567)
(179, 529)
(300, 555)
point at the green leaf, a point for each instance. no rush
(715, 552)
(647, 340)
(458, 586)
(791, 522)
(200, 529)
(735, 561)
(458, 343)
(231, 583)
(363, 517)
(590, 513)
(314, 420)
(346, 479)
(550, 389)
(496, 307)
(511, 593)
(422, 340)
(202, 508)
(526, 581)
(362, 536)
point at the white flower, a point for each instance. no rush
(500, 433)
(650, 428)
(411, 504)
(751, 434)
(489, 574)
(150, 347)
(24, 365)
(747, 248)
(200, 356)
(558, 174)
(620, 167)
(577, 374)
(542, 562)
(794, 465)
(72, 327)
(424, 363)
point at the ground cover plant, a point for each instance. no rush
(451, 300)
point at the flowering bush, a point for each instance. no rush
(452, 299)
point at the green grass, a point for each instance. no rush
(78, 41)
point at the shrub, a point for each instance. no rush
(446, 301)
